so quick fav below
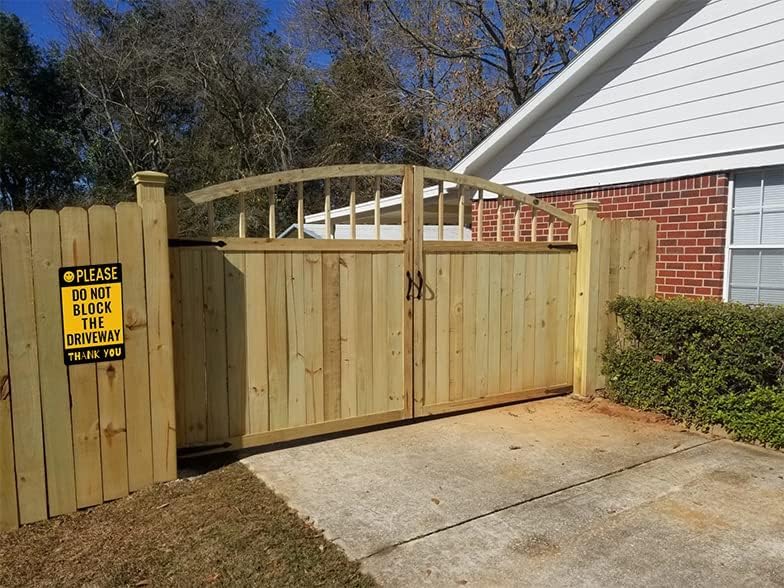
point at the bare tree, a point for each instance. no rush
(195, 88)
(462, 65)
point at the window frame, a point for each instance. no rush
(728, 246)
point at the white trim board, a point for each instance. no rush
(633, 22)
(662, 170)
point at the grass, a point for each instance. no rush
(224, 528)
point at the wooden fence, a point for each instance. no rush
(270, 339)
(75, 436)
(617, 257)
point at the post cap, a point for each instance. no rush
(150, 178)
(586, 205)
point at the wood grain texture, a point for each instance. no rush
(55, 395)
(178, 352)
(277, 341)
(23, 364)
(75, 238)
(295, 322)
(159, 335)
(236, 342)
(110, 374)
(314, 338)
(194, 346)
(255, 401)
(381, 332)
(331, 340)
(136, 367)
(215, 341)
(9, 515)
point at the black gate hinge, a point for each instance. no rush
(567, 246)
(195, 243)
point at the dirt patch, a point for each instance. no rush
(606, 407)
(224, 528)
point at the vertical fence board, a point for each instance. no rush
(178, 352)
(429, 307)
(236, 346)
(469, 324)
(363, 289)
(194, 346)
(650, 270)
(552, 326)
(55, 396)
(314, 342)
(494, 325)
(395, 318)
(9, 514)
(441, 310)
(562, 356)
(215, 329)
(111, 383)
(528, 264)
(634, 258)
(508, 327)
(541, 345)
(330, 284)
(456, 311)
(23, 364)
(277, 341)
(130, 252)
(481, 328)
(159, 335)
(348, 330)
(380, 326)
(295, 320)
(257, 396)
(520, 350)
(74, 234)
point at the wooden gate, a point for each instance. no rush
(277, 339)
(495, 322)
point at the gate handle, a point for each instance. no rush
(410, 285)
(421, 284)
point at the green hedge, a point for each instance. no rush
(701, 362)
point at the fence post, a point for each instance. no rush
(586, 316)
(151, 198)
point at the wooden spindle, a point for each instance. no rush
(480, 216)
(242, 220)
(377, 211)
(327, 211)
(353, 207)
(551, 228)
(518, 210)
(498, 219)
(461, 210)
(533, 224)
(440, 211)
(300, 211)
(210, 219)
(271, 199)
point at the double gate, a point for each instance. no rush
(282, 338)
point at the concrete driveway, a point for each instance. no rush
(553, 492)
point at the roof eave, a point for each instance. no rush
(598, 52)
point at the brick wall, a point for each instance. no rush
(691, 214)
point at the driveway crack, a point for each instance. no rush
(391, 547)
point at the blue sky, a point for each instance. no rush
(38, 15)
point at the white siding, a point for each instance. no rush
(702, 87)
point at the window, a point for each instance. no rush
(756, 238)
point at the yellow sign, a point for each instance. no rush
(91, 298)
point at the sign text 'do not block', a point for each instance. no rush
(91, 300)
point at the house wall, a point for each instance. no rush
(691, 213)
(699, 90)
